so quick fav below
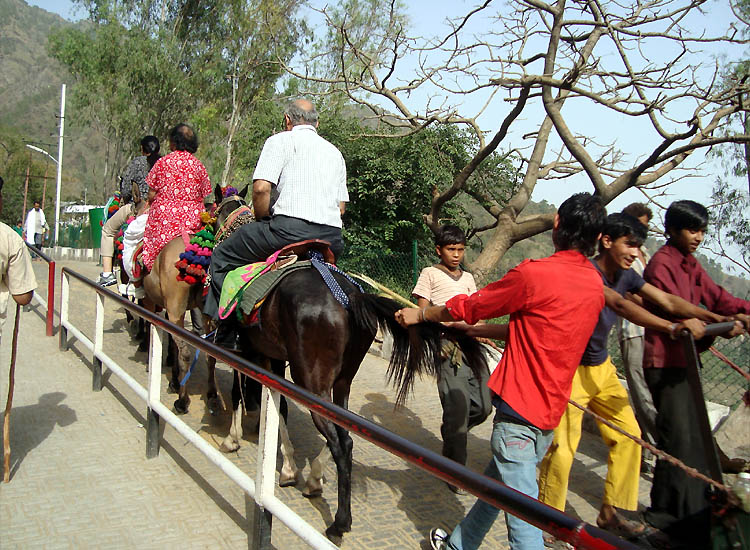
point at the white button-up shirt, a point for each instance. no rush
(309, 174)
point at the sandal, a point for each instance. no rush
(622, 527)
(552, 542)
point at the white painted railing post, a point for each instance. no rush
(260, 528)
(64, 296)
(98, 341)
(154, 392)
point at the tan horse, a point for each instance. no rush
(164, 291)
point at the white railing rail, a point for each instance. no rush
(262, 488)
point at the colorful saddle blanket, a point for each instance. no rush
(238, 281)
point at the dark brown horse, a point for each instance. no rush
(324, 344)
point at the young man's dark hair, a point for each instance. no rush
(623, 225)
(184, 139)
(581, 219)
(685, 215)
(637, 210)
(450, 234)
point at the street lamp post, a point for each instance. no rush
(57, 161)
(57, 202)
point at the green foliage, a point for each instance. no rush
(16, 159)
(391, 181)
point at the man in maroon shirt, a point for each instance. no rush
(679, 503)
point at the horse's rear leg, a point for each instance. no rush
(242, 391)
(340, 444)
(314, 485)
(186, 354)
(289, 472)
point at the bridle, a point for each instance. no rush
(239, 215)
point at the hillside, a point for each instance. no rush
(30, 82)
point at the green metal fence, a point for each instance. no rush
(721, 383)
(75, 235)
(398, 272)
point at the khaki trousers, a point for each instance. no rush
(112, 227)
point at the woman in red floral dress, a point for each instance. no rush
(178, 182)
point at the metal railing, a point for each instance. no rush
(49, 303)
(574, 531)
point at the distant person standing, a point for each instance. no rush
(18, 228)
(16, 273)
(36, 225)
(630, 337)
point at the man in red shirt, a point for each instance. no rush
(679, 504)
(554, 304)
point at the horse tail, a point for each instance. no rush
(416, 349)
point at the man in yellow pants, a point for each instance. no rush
(596, 385)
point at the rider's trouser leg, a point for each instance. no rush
(112, 227)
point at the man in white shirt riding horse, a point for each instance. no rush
(309, 175)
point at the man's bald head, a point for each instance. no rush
(301, 111)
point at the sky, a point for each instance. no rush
(64, 8)
(428, 15)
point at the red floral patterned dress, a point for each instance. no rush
(180, 181)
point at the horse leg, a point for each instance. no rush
(314, 485)
(289, 472)
(214, 402)
(232, 441)
(180, 366)
(340, 444)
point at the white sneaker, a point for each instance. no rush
(438, 539)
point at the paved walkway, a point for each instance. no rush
(80, 478)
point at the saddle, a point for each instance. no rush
(264, 276)
(303, 248)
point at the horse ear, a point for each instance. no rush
(243, 193)
(135, 192)
(217, 194)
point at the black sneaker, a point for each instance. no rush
(227, 337)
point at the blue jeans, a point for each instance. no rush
(516, 449)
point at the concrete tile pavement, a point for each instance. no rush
(81, 479)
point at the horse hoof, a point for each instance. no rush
(143, 346)
(228, 447)
(289, 481)
(179, 408)
(312, 493)
(171, 388)
(335, 535)
(214, 406)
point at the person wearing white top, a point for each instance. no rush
(309, 175)
(36, 225)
